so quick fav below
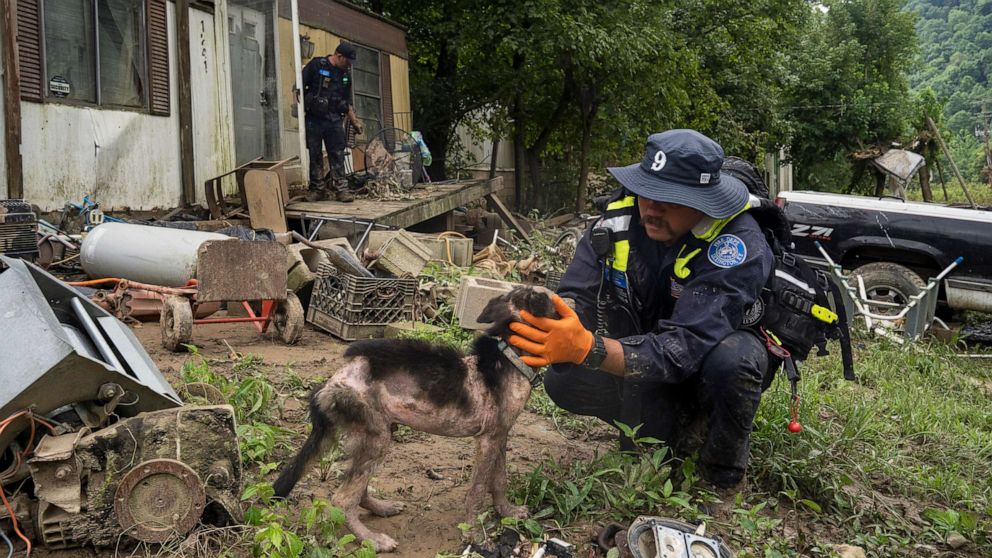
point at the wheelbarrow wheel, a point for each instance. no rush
(288, 319)
(176, 322)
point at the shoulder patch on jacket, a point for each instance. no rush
(727, 250)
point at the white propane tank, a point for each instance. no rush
(155, 255)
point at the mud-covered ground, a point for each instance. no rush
(434, 501)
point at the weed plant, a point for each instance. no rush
(315, 532)
(897, 463)
(901, 458)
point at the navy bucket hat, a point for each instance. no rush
(683, 167)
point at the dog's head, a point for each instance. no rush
(506, 308)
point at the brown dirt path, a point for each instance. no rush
(433, 507)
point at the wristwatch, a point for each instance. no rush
(597, 354)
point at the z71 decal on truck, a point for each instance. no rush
(896, 245)
(816, 233)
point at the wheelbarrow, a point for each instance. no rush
(247, 272)
(913, 319)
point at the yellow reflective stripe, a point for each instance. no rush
(617, 224)
(622, 203)
(681, 271)
(621, 251)
(717, 226)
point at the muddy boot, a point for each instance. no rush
(340, 190)
(318, 191)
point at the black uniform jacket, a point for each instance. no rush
(322, 78)
(672, 323)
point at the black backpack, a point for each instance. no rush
(794, 312)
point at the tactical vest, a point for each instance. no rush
(329, 94)
(792, 311)
(618, 217)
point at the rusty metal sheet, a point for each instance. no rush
(241, 270)
(55, 471)
(899, 163)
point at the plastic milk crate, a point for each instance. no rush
(352, 307)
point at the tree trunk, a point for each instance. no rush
(588, 117)
(440, 127)
(534, 171)
(940, 175)
(518, 140)
(535, 150)
(879, 182)
(859, 174)
(925, 183)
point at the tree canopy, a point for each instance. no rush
(956, 44)
(579, 84)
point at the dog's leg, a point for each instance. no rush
(370, 445)
(486, 450)
(380, 507)
(498, 484)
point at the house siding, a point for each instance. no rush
(131, 159)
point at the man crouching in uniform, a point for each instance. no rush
(327, 99)
(661, 284)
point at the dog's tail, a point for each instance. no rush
(321, 437)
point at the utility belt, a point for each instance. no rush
(325, 107)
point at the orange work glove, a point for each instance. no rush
(551, 341)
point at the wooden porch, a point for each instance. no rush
(427, 201)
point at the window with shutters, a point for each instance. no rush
(368, 91)
(100, 52)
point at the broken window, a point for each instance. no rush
(95, 51)
(368, 91)
(122, 66)
(70, 54)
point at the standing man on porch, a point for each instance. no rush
(327, 98)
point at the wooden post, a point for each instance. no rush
(301, 116)
(940, 174)
(185, 105)
(12, 103)
(954, 166)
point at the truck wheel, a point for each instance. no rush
(889, 282)
(288, 319)
(176, 322)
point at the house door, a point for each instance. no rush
(247, 37)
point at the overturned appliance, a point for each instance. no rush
(94, 442)
(18, 226)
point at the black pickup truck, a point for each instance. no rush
(897, 245)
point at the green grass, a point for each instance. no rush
(980, 192)
(894, 463)
(911, 441)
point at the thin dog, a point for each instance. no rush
(430, 388)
